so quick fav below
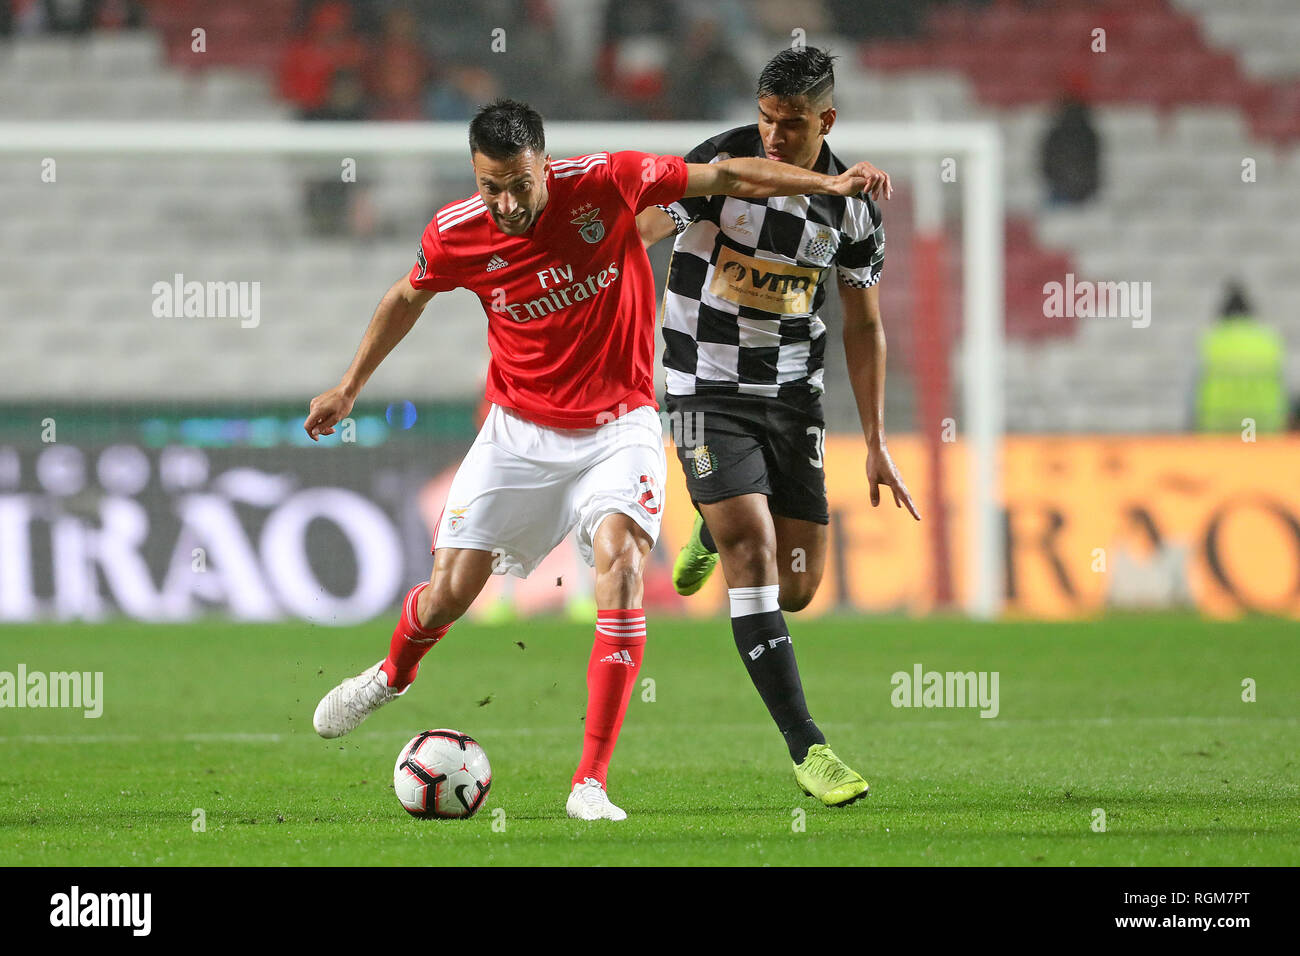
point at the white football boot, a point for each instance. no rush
(342, 709)
(589, 801)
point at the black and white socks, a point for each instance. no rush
(764, 644)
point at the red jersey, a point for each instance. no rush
(571, 303)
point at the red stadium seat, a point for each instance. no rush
(1016, 54)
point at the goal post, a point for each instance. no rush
(974, 146)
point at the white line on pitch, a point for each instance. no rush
(275, 738)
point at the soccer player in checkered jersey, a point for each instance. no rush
(743, 357)
(572, 441)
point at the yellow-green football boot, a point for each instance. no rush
(694, 562)
(828, 778)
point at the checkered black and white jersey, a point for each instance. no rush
(747, 279)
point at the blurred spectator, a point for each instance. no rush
(636, 53)
(119, 15)
(462, 90)
(68, 16)
(1241, 372)
(400, 69)
(777, 18)
(513, 41)
(882, 18)
(532, 67)
(334, 207)
(672, 59)
(464, 32)
(22, 17)
(706, 79)
(733, 19)
(346, 101)
(1071, 153)
(365, 14)
(326, 48)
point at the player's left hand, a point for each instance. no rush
(863, 176)
(881, 471)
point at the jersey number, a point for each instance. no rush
(819, 445)
(649, 499)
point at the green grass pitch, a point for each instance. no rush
(1140, 717)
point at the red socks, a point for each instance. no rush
(611, 674)
(410, 642)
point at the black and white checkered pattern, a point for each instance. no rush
(715, 343)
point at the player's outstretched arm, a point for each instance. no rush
(654, 224)
(393, 318)
(864, 352)
(752, 177)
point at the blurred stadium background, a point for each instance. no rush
(154, 465)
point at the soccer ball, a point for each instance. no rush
(442, 773)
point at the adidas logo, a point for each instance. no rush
(618, 657)
(496, 262)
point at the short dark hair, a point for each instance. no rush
(505, 128)
(798, 72)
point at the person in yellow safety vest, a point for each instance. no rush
(1241, 372)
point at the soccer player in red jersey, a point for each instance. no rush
(572, 441)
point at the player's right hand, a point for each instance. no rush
(327, 410)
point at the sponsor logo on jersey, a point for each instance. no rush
(457, 519)
(495, 263)
(589, 227)
(741, 226)
(560, 297)
(777, 287)
(705, 462)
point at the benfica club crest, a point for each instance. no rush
(589, 227)
(457, 520)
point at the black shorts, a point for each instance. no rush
(731, 445)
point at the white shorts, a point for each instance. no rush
(522, 486)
